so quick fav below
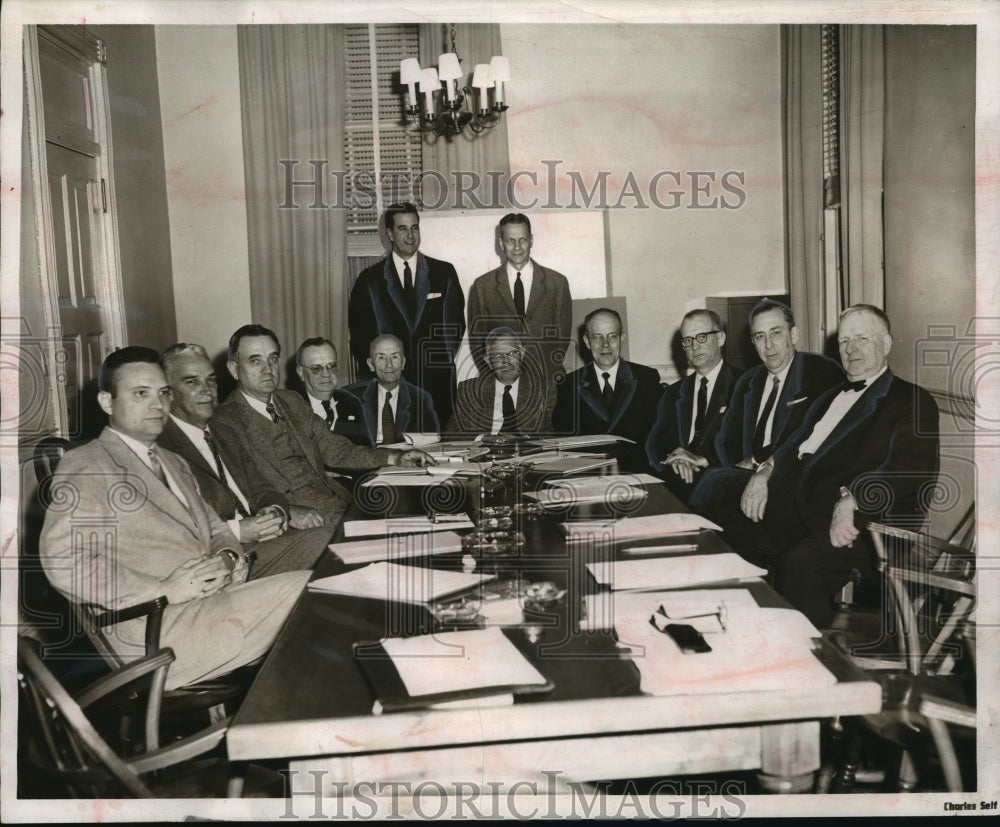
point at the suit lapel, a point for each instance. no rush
(860, 411)
(422, 285)
(539, 287)
(297, 428)
(178, 442)
(369, 405)
(589, 392)
(403, 403)
(755, 394)
(502, 286)
(793, 387)
(685, 410)
(624, 392)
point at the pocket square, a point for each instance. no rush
(433, 296)
(722, 408)
(350, 419)
(796, 401)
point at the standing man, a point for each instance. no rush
(419, 301)
(391, 405)
(682, 441)
(316, 366)
(609, 395)
(521, 294)
(274, 435)
(257, 519)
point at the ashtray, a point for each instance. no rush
(542, 595)
(493, 543)
(492, 518)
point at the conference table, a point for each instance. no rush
(312, 704)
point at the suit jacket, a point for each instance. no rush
(414, 409)
(809, 376)
(350, 420)
(580, 407)
(249, 439)
(430, 341)
(473, 412)
(548, 317)
(673, 419)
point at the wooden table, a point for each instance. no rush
(311, 702)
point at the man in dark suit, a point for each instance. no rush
(867, 450)
(274, 435)
(132, 526)
(521, 294)
(419, 301)
(391, 406)
(609, 395)
(259, 521)
(682, 441)
(768, 405)
(507, 399)
(316, 366)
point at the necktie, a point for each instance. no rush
(519, 296)
(699, 416)
(853, 386)
(509, 413)
(607, 392)
(388, 423)
(759, 432)
(273, 412)
(221, 471)
(408, 292)
(328, 409)
(156, 466)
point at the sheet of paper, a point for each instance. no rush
(400, 478)
(414, 441)
(607, 479)
(673, 572)
(572, 465)
(638, 528)
(397, 547)
(562, 496)
(404, 525)
(581, 441)
(403, 584)
(602, 609)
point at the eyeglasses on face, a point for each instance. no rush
(319, 370)
(504, 356)
(700, 338)
(610, 339)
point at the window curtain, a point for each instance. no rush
(468, 154)
(291, 91)
(862, 139)
(803, 165)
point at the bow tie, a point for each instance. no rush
(853, 386)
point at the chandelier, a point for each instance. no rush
(458, 107)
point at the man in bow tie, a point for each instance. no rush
(316, 365)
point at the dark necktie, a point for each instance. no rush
(220, 470)
(273, 412)
(607, 391)
(853, 386)
(156, 466)
(388, 423)
(519, 296)
(702, 406)
(328, 410)
(509, 412)
(409, 294)
(760, 431)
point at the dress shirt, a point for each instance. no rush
(612, 373)
(841, 404)
(142, 451)
(320, 411)
(257, 405)
(527, 275)
(768, 387)
(498, 403)
(399, 262)
(392, 406)
(197, 437)
(712, 377)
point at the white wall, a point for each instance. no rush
(198, 69)
(647, 99)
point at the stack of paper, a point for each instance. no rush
(411, 440)
(611, 490)
(570, 465)
(402, 584)
(637, 528)
(673, 572)
(405, 525)
(397, 547)
(584, 440)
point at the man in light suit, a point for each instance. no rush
(682, 441)
(509, 398)
(768, 405)
(127, 524)
(316, 366)
(417, 299)
(391, 405)
(609, 395)
(867, 450)
(521, 294)
(257, 519)
(274, 435)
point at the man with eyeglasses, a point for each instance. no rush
(274, 435)
(681, 443)
(508, 398)
(609, 395)
(316, 366)
(418, 300)
(391, 406)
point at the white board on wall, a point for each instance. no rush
(571, 242)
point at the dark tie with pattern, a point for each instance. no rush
(328, 410)
(519, 296)
(388, 423)
(509, 412)
(607, 391)
(156, 466)
(221, 471)
(702, 406)
(273, 412)
(760, 431)
(408, 292)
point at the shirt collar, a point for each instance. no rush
(712, 375)
(526, 272)
(140, 448)
(256, 404)
(399, 262)
(513, 385)
(612, 371)
(781, 374)
(193, 432)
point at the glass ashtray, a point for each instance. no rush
(493, 543)
(542, 595)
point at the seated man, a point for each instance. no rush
(316, 366)
(688, 419)
(130, 526)
(509, 399)
(257, 517)
(609, 395)
(768, 404)
(391, 405)
(274, 435)
(867, 450)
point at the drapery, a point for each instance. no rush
(460, 158)
(291, 90)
